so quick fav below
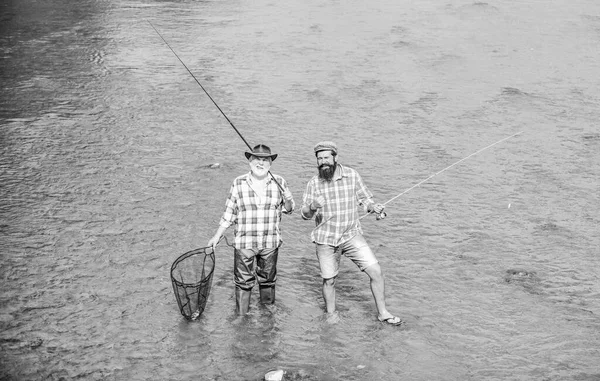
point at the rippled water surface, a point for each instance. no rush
(106, 177)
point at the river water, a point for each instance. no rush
(105, 178)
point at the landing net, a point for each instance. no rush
(191, 276)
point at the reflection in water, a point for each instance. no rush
(107, 175)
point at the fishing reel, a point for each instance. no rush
(380, 216)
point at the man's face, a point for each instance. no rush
(260, 166)
(326, 163)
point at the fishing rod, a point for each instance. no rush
(443, 170)
(211, 98)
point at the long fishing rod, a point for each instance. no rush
(211, 98)
(382, 215)
(445, 169)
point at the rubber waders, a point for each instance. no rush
(242, 301)
(267, 294)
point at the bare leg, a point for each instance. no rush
(378, 290)
(329, 294)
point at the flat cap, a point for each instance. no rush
(326, 146)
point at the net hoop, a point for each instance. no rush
(191, 277)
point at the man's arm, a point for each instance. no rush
(288, 198)
(311, 201)
(229, 215)
(365, 197)
(215, 239)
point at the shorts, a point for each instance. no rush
(356, 249)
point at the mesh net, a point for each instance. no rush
(191, 276)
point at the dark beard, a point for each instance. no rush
(326, 171)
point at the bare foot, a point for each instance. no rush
(332, 318)
(392, 320)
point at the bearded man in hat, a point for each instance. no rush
(333, 197)
(254, 206)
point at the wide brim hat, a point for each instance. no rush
(261, 150)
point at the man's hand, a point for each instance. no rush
(287, 195)
(214, 241)
(317, 203)
(376, 208)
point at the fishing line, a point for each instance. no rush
(211, 98)
(445, 169)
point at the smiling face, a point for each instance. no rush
(326, 162)
(260, 166)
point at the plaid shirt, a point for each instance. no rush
(256, 220)
(338, 220)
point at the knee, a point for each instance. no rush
(330, 282)
(244, 282)
(244, 286)
(374, 271)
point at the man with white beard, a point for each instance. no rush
(254, 205)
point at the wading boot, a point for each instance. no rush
(242, 301)
(267, 294)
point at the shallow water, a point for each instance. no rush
(105, 180)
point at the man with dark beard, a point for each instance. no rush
(333, 197)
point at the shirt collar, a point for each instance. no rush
(249, 179)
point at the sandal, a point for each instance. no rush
(393, 320)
